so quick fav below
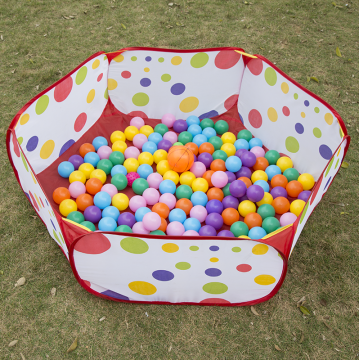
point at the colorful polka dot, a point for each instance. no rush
(243, 268)
(146, 69)
(66, 146)
(42, 104)
(231, 101)
(24, 119)
(291, 144)
(214, 259)
(255, 118)
(183, 265)
(90, 97)
(163, 275)
(170, 247)
(176, 60)
(337, 163)
(296, 96)
(24, 162)
(329, 167)
(119, 58)
(302, 114)
(215, 288)
(20, 140)
(32, 143)
(272, 114)
(56, 237)
(213, 272)
(317, 110)
(47, 149)
(16, 145)
(226, 59)
(165, 77)
(299, 128)
(145, 82)
(148, 58)
(161, 59)
(80, 122)
(325, 152)
(286, 111)
(303, 213)
(338, 153)
(284, 87)
(255, 66)
(214, 301)
(112, 84)
(177, 89)
(142, 288)
(194, 248)
(115, 295)
(52, 223)
(126, 74)
(306, 103)
(133, 58)
(189, 104)
(34, 180)
(214, 248)
(106, 94)
(140, 99)
(95, 64)
(329, 118)
(134, 245)
(81, 75)
(33, 201)
(270, 76)
(236, 249)
(264, 279)
(260, 249)
(210, 114)
(94, 244)
(199, 60)
(317, 133)
(99, 77)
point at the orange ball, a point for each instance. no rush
(215, 194)
(193, 147)
(294, 188)
(161, 209)
(245, 180)
(85, 148)
(83, 201)
(252, 220)
(181, 159)
(60, 194)
(281, 205)
(184, 204)
(230, 216)
(279, 180)
(163, 225)
(261, 164)
(206, 147)
(93, 186)
(207, 176)
(218, 165)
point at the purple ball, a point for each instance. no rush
(278, 191)
(240, 152)
(195, 158)
(76, 160)
(207, 230)
(304, 195)
(180, 126)
(214, 206)
(244, 172)
(225, 233)
(230, 202)
(231, 176)
(237, 188)
(255, 193)
(243, 198)
(248, 159)
(126, 218)
(92, 213)
(165, 145)
(205, 158)
(215, 220)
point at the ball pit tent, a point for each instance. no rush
(102, 94)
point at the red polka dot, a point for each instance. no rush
(88, 283)
(63, 90)
(243, 268)
(255, 66)
(34, 201)
(226, 59)
(80, 122)
(255, 118)
(126, 74)
(317, 187)
(138, 113)
(286, 111)
(94, 244)
(16, 146)
(230, 101)
(41, 202)
(100, 77)
(214, 301)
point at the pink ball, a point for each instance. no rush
(139, 140)
(104, 152)
(132, 152)
(151, 196)
(219, 179)
(168, 120)
(175, 228)
(139, 228)
(151, 221)
(136, 202)
(110, 189)
(168, 199)
(199, 212)
(131, 177)
(287, 218)
(258, 151)
(77, 188)
(171, 136)
(198, 169)
(191, 233)
(154, 180)
(137, 121)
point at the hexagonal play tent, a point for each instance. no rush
(102, 95)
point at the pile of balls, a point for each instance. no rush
(205, 178)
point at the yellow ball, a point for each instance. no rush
(131, 165)
(146, 158)
(117, 136)
(146, 130)
(130, 132)
(77, 176)
(307, 181)
(228, 137)
(200, 184)
(119, 146)
(160, 155)
(187, 178)
(67, 206)
(284, 163)
(162, 167)
(259, 175)
(99, 174)
(230, 149)
(172, 175)
(267, 199)
(244, 237)
(86, 169)
(296, 207)
(246, 207)
(120, 201)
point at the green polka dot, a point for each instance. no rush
(106, 94)
(317, 110)
(133, 58)
(279, 256)
(105, 57)
(194, 248)
(20, 140)
(165, 77)
(329, 167)
(337, 163)
(270, 76)
(236, 249)
(341, 135)
(304, 212)
(183, 266)
(42, 104)
(134, 245)
(292, 144)
(296, 96)
(140, 99)
(56, 237)
(215, 288)
(317, 132)
(199, 60)
(81, 75)
(24, 161)
(161, 60)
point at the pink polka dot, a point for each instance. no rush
(88, 283)
(94, 244)
(34, 201)
(80, 122)
(100, 77)
(16, 146)
(230, 101)
(41, 202)
(286, 111)
(255, 118)
(243, 268)
(126, 74)
(214, 301)
(138, 113)
(226, 59)
(255, 66)
(63, 90)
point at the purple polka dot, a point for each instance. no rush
(115, 295)
(306, 103)
(299, 128)
(163, 275)
(327, 183)
(28, 196)
(66, 146)
(53, 225)
(148, 58)
(209, 114)
(213, 272)
(145, 82)
(32, 143)
(46, 202)
(214, 248)
(177, 89)
(241, 118)
(325, 152)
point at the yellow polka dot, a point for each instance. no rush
(142, 287)
(90, 96)
(33, 177)
(47, 149)
(260, 249)
(264, 279)
(189, 104)
(170, 247)
(284, 87)
(302, 114)
(24, 119)
(112, 84)
(329, 118)
(214, 259)
(176, 60)
(96, 64)
(146, 69)
(338, 153)
(50, 213)
(119, 58)
(272, 114)
(37, 200)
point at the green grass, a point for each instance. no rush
(300, 36)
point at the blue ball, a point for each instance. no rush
(241, 144)
(255, 142)
(194, 130)
(192, 224)
(233, 163)
(264, 184)
(155, 137)
(98, 142)
(256, 233)
(167, 186)
(111, 211)
(118, 169)
(193, 120)
(199, 139)
(177, 215)
(144, 171)
(107, 224)
(150, 147)
(65, 169)
(272, 170)
(141, 212)
(92, 158)
(102, 200)
(199, 198)
(209, 132)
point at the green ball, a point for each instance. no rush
(120, 181)
(105, 165)
(239, 228)
(226, 190)
(157, 232)
(272, 156)
(185, 137)
(291, 174)
(161, 129)
(270, 224)
(89, 225)
(206, 123)
(184, 192)
(244, 134)
(216, 142)
(178, 144)
(266, 210)
(117, 158)
(219, 154)
(139, 186)
(221, 127)
(124, 228)
(76, 216)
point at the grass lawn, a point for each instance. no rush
(38, 46)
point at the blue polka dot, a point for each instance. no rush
(115, 295)
(213, 272)
(306, 103)
(148, 58)
(163, 275)
(209, 114)
(32, 143)
(328, 182)
(177, 89)
(66, 146)
(28, 196)
(299, 128)
(145, 82)
(241, 118)
(46, 202)
(53, 225)
(214, 248)
(325, 152)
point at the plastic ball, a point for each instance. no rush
(175, 228)
(255, 142)
(151, 221)
(98, 142)
(168, 120)
(192, 120)
(228, 137)
(207, 230)
(126, 219)
(146, 130)
(117, 136)
(104, 152)
(226, 190)
(117, 158)
(89, 225)
(85, 148)
(279, 180)
(76, 160)
(272, 156)
(171, 136)
(244, 172)
(131, 177)
(265, 211)
(138, 228)
(124, 228)
(205, 158)
(284, 163)
(155, 137)
(145, 158)
(131, 165)
(180, 159)
(184, 192)
(67, 206)
(180, 126)
(192, 224)
(256, 233)
(163, 144)
(307, 181)
(132, 153)
(198, 169)
(199, 212)
(294, 188)
(216, 142)
(287, 219)
(110, 189)
(304, 195)
(137, 121)
(160, 155)
(199, 139)
(278, 191)
(264, 184)
(238, 188)
(261, 164)
(150, 147)
(233, 163)
(208, 132)
(168, 199)
(105, 165)
(253, 220)
(219, 179)
(206, 147)
(259, 175)
(144, 171)
(60, 194)
(92, 158)
(139, 140)
(130, 132)
(140, 213)
(111, 211)
(221, 127)
(161, 209)
(248, 159)
(240, 152)
(267, 199)
(194, 130)
(270, 224)
(65, 169)
(241, 144)
(297, 206)
(102, 199)
(137, 202)
(167, 186)
(193, 147)
(229, 149)
(214, 206)
(230, 201)
(154, 180)
(207, 176)
(281, 205)
(291, 174)
(93, 185)
(161, 129)
(185, 137)
(177, 215)
(98, 174)
(231, 176)
(187, 178)
(120, 146)
(272, 170)
(120, 201)
(139, 186)
(246, 207)
(151, 196)
(199, 198)
(246, 181)
(92, 214)
(76, 188)
(190, 233)
(239, 228)
(215, 220)
(230, 216)
(83, 201)
(78, 176)
(207, 123)
(244, 134)
(218, 165)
